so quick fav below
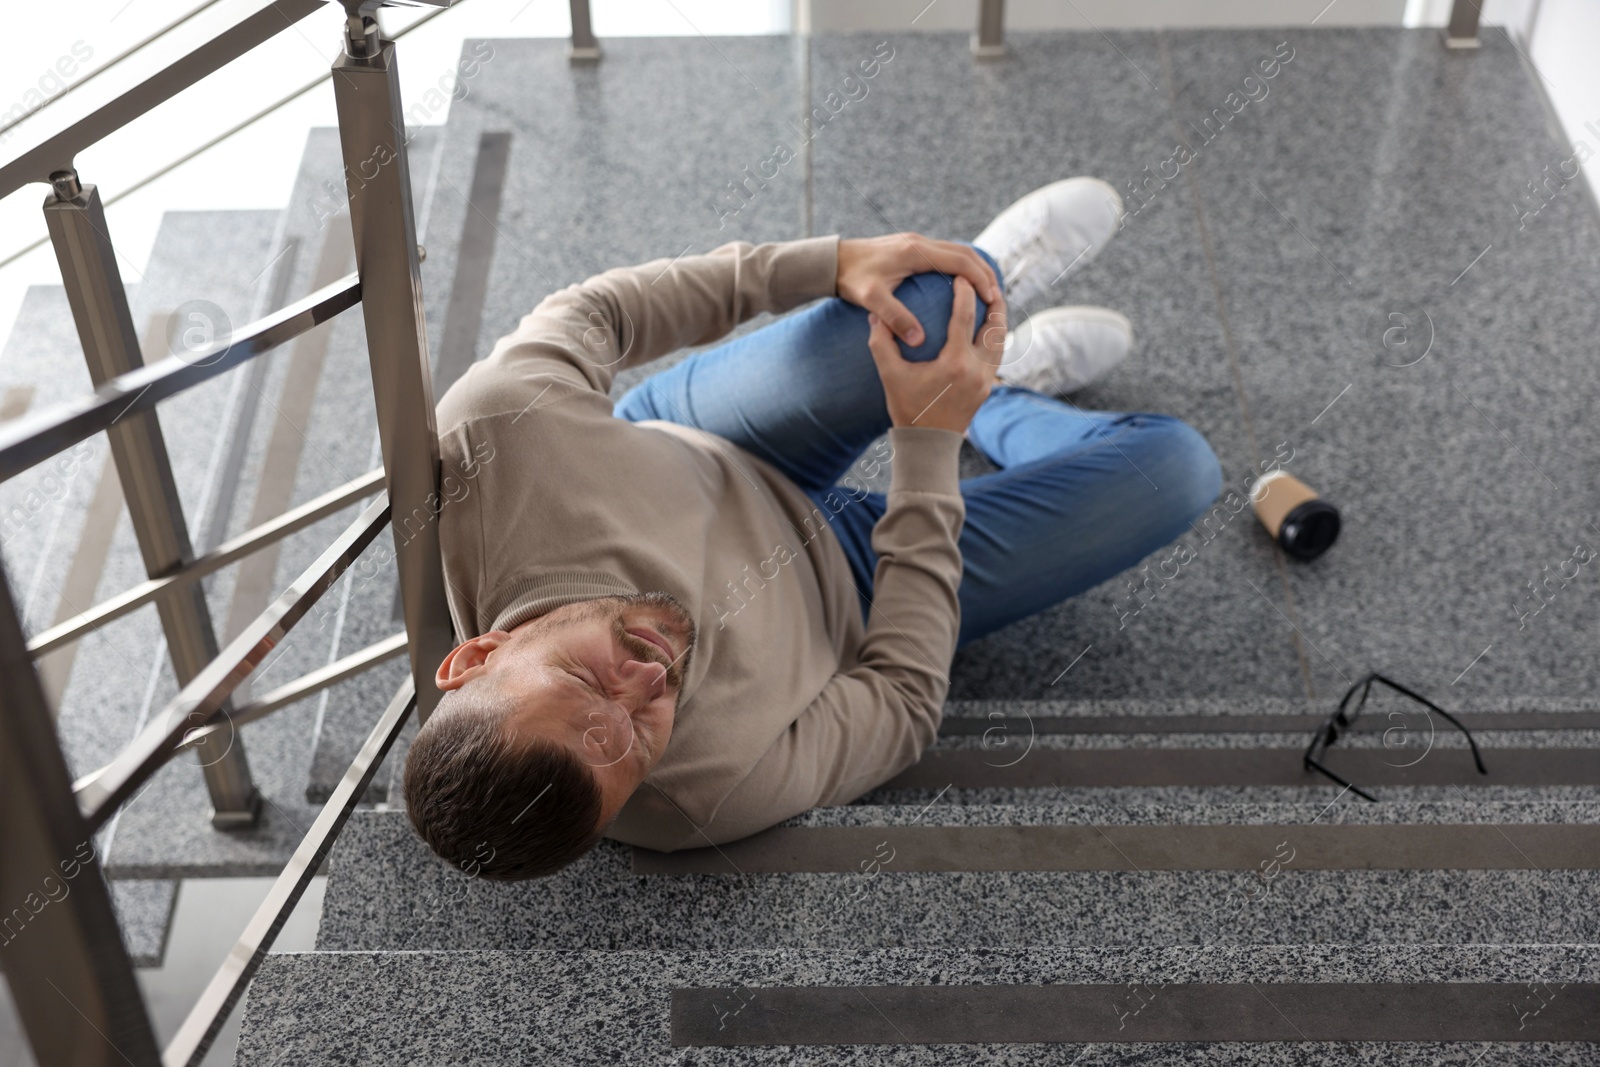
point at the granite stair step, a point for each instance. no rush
(1004, 876)
(1325, 1004)
(1001, 751)
(144, 913)
(1252, 714)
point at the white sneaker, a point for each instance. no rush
(1061, 350)
(1050, 234)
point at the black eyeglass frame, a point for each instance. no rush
(1341, 723)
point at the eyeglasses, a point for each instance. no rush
(1342, 722)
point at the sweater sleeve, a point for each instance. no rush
(583, 335)
(874, 718)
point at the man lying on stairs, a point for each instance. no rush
(686, 629)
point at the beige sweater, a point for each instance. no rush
(789, 701)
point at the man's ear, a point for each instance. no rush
(466, 661)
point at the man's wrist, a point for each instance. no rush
(924, 459)
(805, 269)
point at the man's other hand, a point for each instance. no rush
(871, 268)
(947, 391)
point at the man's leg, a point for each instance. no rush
(1082, 496)
(801, 393)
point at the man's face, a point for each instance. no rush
(600, 677)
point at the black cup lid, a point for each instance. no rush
(1309, 529)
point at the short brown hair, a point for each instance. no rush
(495, 806)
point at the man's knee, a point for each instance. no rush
(931, 297)
(1185, 468)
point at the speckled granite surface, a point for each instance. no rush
(144, 911)
(628, 160)
(1460, 475)
(1142, 812)
(387, 891)
(613, 1008)
(1459, 467)
(1412, 740)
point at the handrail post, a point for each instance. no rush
(77, 223)
(1462, 30)
(378, 180)
(582, 47)
(989, 42)
(59, 943)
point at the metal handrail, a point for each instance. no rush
(126, 53)
(32, 439)
(251, 541)
(282, 102)
(308, 684)
(1462, 29)
(180, 60)
(77, 944)
(197, 703)
(193, 1039)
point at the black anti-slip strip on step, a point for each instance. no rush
(1018, 727)
(894, 849)
(463, 316)
(1136, 1013)
(1008, 766)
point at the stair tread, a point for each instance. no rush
(144, 914)
(582, 1007)
(411, 900)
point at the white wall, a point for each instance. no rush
(1562, 40)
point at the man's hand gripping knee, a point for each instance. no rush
(943, 393)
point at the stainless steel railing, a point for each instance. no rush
(47, 141)
(989, 40)
(201, 149)
(211, 1011)
(65, 962)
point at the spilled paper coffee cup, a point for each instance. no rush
(1303, 524)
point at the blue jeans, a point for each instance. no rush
(1080, 496)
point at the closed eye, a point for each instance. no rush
(587, 684)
